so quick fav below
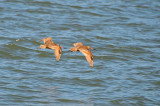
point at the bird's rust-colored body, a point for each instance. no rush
(48, 43)
(85, 50)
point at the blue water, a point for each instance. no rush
(126, 37)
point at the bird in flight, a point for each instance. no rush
(85, 50)
(48, 43)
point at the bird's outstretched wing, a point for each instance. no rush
(58, 52)
(88, 55)
(48, 43)
(48, 39)
(77, 44)
(42, 46)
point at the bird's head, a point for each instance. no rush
(89, 47)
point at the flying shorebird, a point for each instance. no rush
(85, 50)
(48, 43)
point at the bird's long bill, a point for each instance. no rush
(62, 47)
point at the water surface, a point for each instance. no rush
(124, 33)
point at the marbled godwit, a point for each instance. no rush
(48, 43)
(85, 50)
